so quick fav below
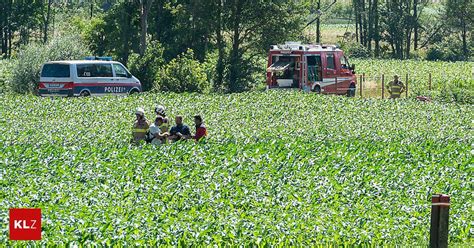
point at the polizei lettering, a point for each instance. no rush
(114, 89)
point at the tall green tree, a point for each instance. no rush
(459, 18)
(254, 26)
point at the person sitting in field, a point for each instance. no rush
(157, 137)
(180, 131)
(140, 127)
(160, 112)
(201, 131)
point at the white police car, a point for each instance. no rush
(85, 78)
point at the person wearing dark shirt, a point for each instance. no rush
(201, 131)
(180, 131)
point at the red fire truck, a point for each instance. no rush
(317, 68)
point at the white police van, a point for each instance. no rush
(86, 78)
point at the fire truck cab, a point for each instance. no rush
(317, 68)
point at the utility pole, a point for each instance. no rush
(318, 19)
(318, 23)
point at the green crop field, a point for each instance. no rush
(418, 71)
(279, 167)
(450, 81)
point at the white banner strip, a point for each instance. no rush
(440, 204)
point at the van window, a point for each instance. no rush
(94, 70)
(86, 71)
(120, 71)
(55, 70)
(104, 70)
(330, 61)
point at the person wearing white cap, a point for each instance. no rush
(160, 112)
(140, 127)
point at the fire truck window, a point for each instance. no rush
(313, 60)
(331, 62)
(343, 62)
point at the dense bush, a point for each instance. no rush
(448, 50)
(355, 50)
(26, 70)
(183, 74)
(146, 67)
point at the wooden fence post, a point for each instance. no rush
(360, 86)
(439, 221)
(383, 86)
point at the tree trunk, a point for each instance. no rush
(361, 32)
(354, 2)
(408, 43)
(364, 22)
(415, 28)
(46, 22)
(376, 29)
(125, 37)
(2, 25)
(464, 40)
(9, 41)
(235, 57)
(145, 6)
(220, 47)
(370, 35)
(318, 24)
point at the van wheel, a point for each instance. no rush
(317, 89)
(351, 91)
(134, 91)
(85, 93)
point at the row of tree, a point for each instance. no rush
(19, 20)
(234, 32)
(399, 23)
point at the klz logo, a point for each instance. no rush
(25, 224)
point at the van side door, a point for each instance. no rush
(106, 78)
(94, 78)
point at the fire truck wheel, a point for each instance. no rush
(351, 91)
(317, 89)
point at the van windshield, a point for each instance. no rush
(55, 70)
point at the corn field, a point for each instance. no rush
(279, 168)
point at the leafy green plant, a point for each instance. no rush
(279, 168)
(146, 67)
(183, 74)
(5, 74)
